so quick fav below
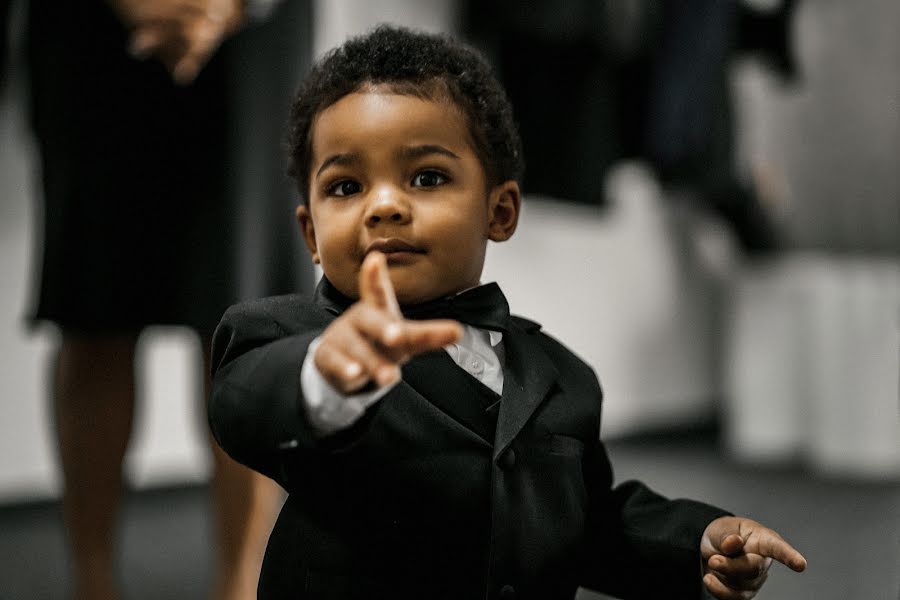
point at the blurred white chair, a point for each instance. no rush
(814, 365)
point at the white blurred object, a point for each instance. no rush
(815, 365)
(336, 20)
(833, 135)
(27, 451)
(762, 382)
(170, 444)
(625, 288)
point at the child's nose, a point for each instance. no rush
(388, 205)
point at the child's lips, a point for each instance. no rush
(394, 248)
(396, 251)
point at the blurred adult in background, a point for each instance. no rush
(688, 131)
(158, 127)
(642, 79)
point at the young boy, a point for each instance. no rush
(432, 445)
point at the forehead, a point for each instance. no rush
(370, 119)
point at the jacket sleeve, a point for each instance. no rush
(255, 409)
(641, 544)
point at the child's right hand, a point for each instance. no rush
(371, 339)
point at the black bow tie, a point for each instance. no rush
(484, 306)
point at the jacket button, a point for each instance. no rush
(507, 592)
(508, 459)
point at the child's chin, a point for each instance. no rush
(410, 287)
(407, 296)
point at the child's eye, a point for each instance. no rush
(429, 179)
(345, 187)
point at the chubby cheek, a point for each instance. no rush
(462, 255)
(464, 234)
(338, 261)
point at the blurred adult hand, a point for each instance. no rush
(183, 34)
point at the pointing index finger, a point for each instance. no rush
(775, 547)
(375, 285)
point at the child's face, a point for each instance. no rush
(398, 174)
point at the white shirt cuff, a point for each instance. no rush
(327, 409)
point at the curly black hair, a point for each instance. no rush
(414, 63)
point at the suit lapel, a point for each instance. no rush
(527, 378)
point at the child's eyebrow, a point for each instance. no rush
(406, 153)
(412, 152)
(347, 158)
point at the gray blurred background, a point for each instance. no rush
(768, 385)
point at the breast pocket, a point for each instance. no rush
(566, 445)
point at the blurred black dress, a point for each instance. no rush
(162, 204)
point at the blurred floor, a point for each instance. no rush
(849, 532)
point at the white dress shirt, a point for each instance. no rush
(479, 353)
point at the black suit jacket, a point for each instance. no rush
(424, 497)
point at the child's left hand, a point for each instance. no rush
(737, 553)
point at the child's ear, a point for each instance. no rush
(504, 203)
(304, 218)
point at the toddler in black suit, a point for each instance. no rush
(432, 445)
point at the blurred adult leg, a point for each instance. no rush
(246, 505)
(93, 397)
(690, 128)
